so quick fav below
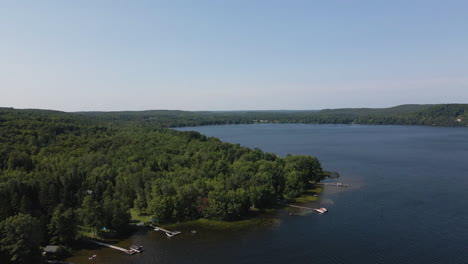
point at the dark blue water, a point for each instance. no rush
(408, 201)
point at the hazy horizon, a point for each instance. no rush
(232, 56)
(237, 110)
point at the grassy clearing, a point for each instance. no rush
(136, 217)
(309, 195)
(107, 235)
(306, 199)
(85, 231)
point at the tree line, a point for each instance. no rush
(434, 115)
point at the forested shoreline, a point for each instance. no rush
(60, 172)
(432, 115)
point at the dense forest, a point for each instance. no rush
(60, 172)
(434, 115)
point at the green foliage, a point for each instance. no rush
(294, 184)
(91, 213)
(20, 237)
(63, 226)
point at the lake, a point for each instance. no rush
(407, 202)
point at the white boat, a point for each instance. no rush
(321, 210)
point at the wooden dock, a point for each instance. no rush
(338, 184)
(168, 233)
(318, 210)
(162, 229)
(301, 207)
(127, 251)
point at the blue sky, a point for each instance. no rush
(232, 55)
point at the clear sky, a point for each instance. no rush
(232, 55)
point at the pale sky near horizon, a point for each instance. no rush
(231, 55)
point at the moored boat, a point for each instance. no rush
(321, 210)
(137, 248)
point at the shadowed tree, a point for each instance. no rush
(20, 238)
(63, 225)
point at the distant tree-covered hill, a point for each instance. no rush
(437, 115)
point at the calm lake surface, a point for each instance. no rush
(408, 201)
